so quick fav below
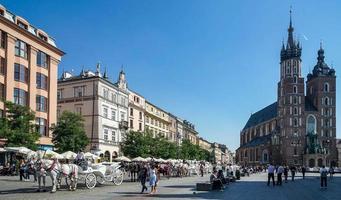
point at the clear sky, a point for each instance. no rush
(210, 62)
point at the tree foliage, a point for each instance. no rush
(69, 133)
(18, 127)
(145, 145)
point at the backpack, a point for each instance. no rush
(324, 173)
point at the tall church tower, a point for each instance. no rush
(291, 102)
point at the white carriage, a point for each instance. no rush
(108, 172)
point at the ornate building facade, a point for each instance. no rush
(300, 127)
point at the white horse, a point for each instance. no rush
(57, 171)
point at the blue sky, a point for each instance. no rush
(210, 62)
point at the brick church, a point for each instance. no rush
(300, 127)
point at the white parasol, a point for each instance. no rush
(123, 158)
(69, 155)
(139, 159)
(51, 154)
(90, 155)
(22, 150)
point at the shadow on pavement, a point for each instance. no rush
(207, 195)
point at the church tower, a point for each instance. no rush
(291, 101)
(321, 92)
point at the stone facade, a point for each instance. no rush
(29, 61)
(300, 127)
(103, 105)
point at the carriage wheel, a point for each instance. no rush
(100, 180)
(90, 181)
(118, 178)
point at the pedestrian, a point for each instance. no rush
(331, 173)
(323, 173)
(280, 171)
(293, 172)
(152, 180)
(216, 182)
(201, 170)
(271, 170)
(303, 171)
(143, 173)
(286, 173)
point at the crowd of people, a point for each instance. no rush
(281, 171)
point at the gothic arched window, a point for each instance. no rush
(326, 87)
(295, 122)
(326, 101)
(295, 89)
(311, 124)
(295, 111)
(295, 79)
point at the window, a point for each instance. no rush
(326, 87)
(113, 97)
(140, 126)
(2, 65)
(41, 59)
(131, 111)
(123, 116)
(41, 81)
(78, 110)
(295, 122)
(123, 101)
(41, 126)
(42, 37)
(147, 119)
(113, 135)
(326, 101)
(22, 25)
(41, 103)
(20, 73)
(105, 134)
(3, 39)
(295, 100)
(79, 91)
(295, 79)
(311, 125)
(140, 115)
(59, 94)
(105, 93)
(295, 89)
(20, 97)
(295, 111)
(105, 112)
(113, 114)
(2, 92)
(131, 124)
(21, 49)
(295, 70)
(58, 112)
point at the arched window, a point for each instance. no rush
(326, 101)
(295, 111)
(295, 100)
(295, 70)
(311, 124)
(326, 87)
(295, 122)
(295, 89)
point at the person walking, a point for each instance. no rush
(303, 171)
(331, 173)
(286, 170)
(323, 174)
(280, 171)
(293, 172)
(143, 173)
(152, 180)
(271, 170)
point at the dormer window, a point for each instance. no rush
(2, 13)
(22, 25)
(43, 37)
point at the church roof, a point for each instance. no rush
(309, 106)
(258, 141)
(263, 115)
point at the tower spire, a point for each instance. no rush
(290, 31)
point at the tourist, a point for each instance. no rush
(331, 173)
(323, 173)
(271, 170)
(201, 169)
(303, 171)
(152, 180)
(216, 182)
(158, 175)
(22, 170)
(293, 172)
(286, 170)
(221, 176)
(143, 177)
(280, 171)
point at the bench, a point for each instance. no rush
(205, 186)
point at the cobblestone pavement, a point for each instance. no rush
(253, 187)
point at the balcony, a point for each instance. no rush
(123, 125)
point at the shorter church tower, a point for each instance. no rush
(321, 92)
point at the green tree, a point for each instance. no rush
(69, 133)
(18, 127)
